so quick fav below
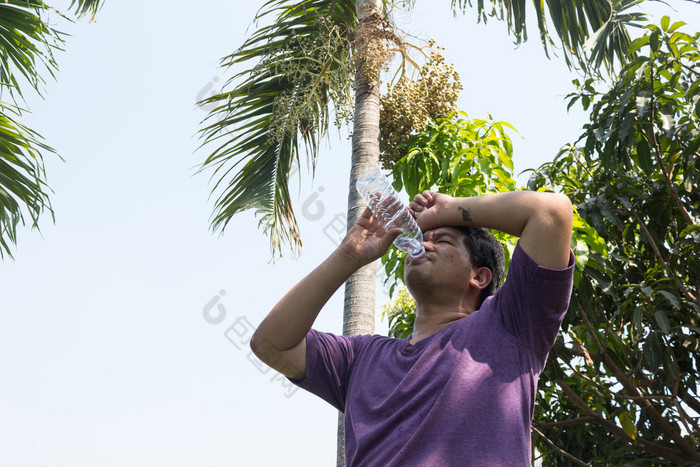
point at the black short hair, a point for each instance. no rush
(485, 251)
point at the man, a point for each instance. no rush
(461, 390)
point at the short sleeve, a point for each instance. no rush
(534, 300)
(328, 362)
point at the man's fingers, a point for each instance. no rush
(424, 199)
(367, 213)
(420, 200)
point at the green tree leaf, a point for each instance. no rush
(628, 425)
(652, 352)
(662, 321)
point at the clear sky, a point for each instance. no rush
(123, 325)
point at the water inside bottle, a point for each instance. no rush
(410, 245)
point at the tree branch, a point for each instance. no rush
(687, 420)
(557, 449)
(664, 452)
(597, 418)
(643, 403)
(572, 421)
(689, 400)
(657, 253)
(607, 389)
(667, 177)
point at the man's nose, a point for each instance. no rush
(428, 245)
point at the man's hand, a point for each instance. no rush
(367, 240)
(429, 209)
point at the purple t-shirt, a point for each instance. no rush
(463, 396)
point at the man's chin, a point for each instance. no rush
(417, 280)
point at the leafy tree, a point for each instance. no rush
(27, 44)
(622, 382)
(621, 386)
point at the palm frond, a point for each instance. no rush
(26, 45)
(85, 7)
(293, 70)
(23, 189)
(611, 40)
(580, 25)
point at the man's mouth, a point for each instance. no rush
(419, 259)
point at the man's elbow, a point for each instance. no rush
(558, 212)
(286, 362)
(262, 348)
(564, 210)
(255, 343)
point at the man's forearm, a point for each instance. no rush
(279, 340)
(543, 221)
(508, 212)
(291, 319)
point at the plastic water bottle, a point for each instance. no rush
(384, 202)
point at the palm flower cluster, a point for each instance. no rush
(411, 103)
(373, 42)
(319, 68)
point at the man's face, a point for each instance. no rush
(447, 263)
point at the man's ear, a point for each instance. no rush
(482, 277)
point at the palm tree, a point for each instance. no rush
(293, 71)
(27, 44)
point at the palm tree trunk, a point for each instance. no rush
(358, 316)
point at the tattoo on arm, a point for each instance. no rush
(466, 214)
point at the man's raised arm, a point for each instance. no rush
(280, 340)
(543, 221)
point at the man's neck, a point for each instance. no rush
(431, 319)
